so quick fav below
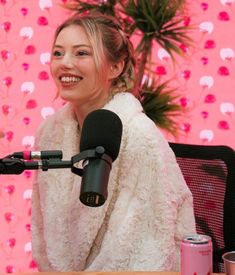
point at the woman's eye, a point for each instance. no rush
(81, 53)
(57, 53)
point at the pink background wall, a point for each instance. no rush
(206, 81)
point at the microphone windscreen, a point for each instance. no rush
(102, 128)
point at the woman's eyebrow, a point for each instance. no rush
(74, 46)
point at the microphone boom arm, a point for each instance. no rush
(17, 166)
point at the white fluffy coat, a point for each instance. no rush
(148, 211)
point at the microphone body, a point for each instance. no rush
(95, 181)
(102, 132)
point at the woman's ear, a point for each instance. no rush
(116, 69)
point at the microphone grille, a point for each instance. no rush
(102, 128)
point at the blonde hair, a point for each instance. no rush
(110, 43)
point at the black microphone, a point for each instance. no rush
(101, 131)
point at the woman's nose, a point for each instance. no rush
(67, 61)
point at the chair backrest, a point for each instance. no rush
(209, 171)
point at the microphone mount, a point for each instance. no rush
(16, 166)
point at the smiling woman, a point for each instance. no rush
(81, 63)
(149, 206)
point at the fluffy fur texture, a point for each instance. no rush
(148, 211)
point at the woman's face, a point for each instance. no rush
(74, 71)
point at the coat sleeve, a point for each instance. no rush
(176, 193)
(173, 188)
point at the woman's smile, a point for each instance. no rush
(69, 80)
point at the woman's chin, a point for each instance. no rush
(67, 96)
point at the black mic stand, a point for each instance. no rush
(96, 197)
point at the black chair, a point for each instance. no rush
(209, 171)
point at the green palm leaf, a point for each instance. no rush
(160, 20)
(160, 104)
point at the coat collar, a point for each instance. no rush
(124, 104)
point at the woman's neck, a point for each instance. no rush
(82, 110)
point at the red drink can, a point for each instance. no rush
(196, 255)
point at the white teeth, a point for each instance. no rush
(68, 79)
